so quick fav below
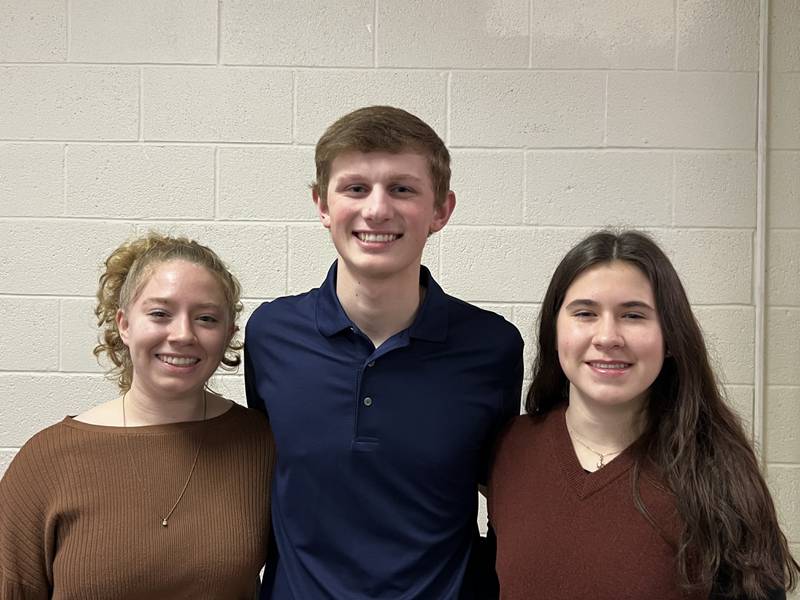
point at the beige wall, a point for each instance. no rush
(199, 117)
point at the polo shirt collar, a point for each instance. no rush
(430, 323)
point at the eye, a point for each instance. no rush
(633, 315)
(356, 188)
(583, 314)
(210, 319)
(402, 189)
(157, 314)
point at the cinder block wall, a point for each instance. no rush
(200, 116)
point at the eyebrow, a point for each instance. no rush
(390, 176)
(592, 303)
(169, 302)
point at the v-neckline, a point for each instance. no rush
(584, 484)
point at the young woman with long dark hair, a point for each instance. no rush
(629, 477)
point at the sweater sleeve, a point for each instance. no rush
(23, 530)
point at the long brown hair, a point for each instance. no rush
(693, 439)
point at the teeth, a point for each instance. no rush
(178, 360)
(377, 237)
(599, 365)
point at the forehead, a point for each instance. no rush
(381, 164)
(181, 279)
(614, 282)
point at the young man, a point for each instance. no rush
(384, 394)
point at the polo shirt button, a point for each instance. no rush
(367, 401)
(371, 363)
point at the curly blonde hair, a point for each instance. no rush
(128, 268)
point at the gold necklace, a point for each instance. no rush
(602, 455)
(165, 519)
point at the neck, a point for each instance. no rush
(380, 307)
(605, 428)
(143, 409)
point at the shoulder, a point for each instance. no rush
(40, 458)
(286, 309)
(243, 421)
(483, 324)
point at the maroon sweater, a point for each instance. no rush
(565, 534)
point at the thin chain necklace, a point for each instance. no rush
(602, 455)
(165, 519)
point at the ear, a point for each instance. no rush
(442, 212)
(122, 325)
(322, 208)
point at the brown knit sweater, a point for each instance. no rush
(565, 534)
(77, 522)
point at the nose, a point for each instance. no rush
(181, 330)
(608, 334)
(378, 205)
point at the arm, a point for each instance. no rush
(251, 389)
(24, 566)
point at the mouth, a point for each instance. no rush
(609, 368)
(377, 237)
(178, 361)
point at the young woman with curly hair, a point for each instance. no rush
(161, 492)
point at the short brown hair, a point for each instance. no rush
(382, 129)
(127, 270)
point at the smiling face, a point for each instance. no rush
(176, 330)
(380, 210)
(609, 339)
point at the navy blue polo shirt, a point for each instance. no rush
(379, 451)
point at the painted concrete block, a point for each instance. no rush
(35, 401)
(598, 188)
(143, 182)
(311, 253)
(718, 36)
(29, 335)
(608, 34)
(784, 481)
(255, 253)
(783, 267)
(716, 189)
(724, 275)
(56, 257)
(79, 335)
(483, 34)
(783, 424)
(730, 338)
(312, 33)
(69, 102)
(33, 31)
(502, 264)
(740, 399)
(488, 186)
(783, 114)
(783, 189)
(324, 96)
(783, 346)
(784, 23)
(527, 109)
(217, 104)
(270, 184)
(31, 180)
(145, 31)
(682, 110)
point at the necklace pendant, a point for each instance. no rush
(163, 522)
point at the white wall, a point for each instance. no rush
(200, 117)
